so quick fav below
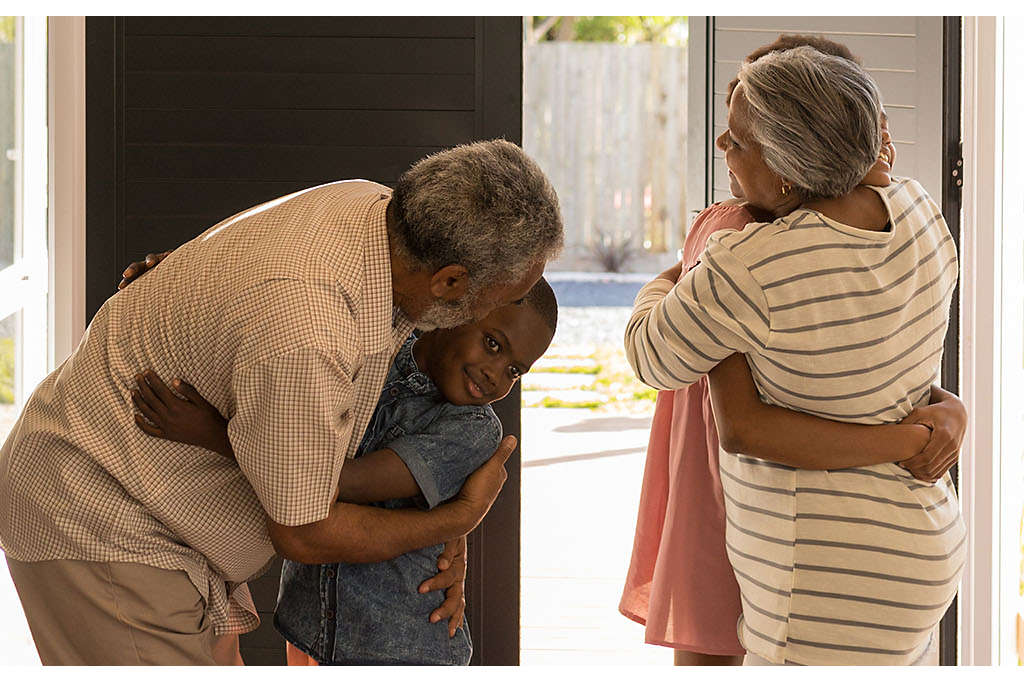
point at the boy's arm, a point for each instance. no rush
(749, 426)
(355, 533)
(140, 268)
(375, 477)
(190, 418)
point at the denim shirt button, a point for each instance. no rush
(394, 392)
(330, 614)
(330, 572)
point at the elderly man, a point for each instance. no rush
(128, 550)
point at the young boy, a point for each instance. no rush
(432, 427)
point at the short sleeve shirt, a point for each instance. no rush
(372, 613)
(282, 317)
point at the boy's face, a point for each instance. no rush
(479, 362)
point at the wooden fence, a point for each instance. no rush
(608, 124)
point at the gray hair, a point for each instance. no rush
(816, 118)
(486, 206)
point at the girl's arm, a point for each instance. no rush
(749, 426)
(189, 418)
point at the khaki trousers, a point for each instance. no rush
(99, 613)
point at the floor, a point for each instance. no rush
(16, 646)
(580, 485)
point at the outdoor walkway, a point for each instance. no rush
(580, 485)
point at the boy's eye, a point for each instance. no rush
(492, 344)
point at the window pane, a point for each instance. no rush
(8, 131)
(8, 342)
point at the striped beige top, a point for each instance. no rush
(282, 317)
(852, 566)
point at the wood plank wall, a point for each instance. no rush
(191, 119)
(902, 54)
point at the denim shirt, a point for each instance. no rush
(371, 614)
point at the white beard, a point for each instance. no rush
(444, 315)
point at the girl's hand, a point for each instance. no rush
(673, 273)
(140, 268)
(186, 419)
(947, 420)
(880, 174)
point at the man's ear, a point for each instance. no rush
(450, 283)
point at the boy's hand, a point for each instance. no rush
(140, 268)
(948, 423)
(451, 578)
(483, 485)
(189, 419)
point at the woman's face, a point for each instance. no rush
(749, 176)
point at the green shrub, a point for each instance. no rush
(6, 371)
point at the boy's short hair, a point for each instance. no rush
(542, 299)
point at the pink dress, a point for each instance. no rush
(680, 584)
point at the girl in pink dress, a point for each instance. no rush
(680, 583)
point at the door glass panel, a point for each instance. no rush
(1011, 390)
(8, 132)
(9, 337)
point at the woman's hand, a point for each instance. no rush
(451, 578)
(187, 419)
(140, 268)
(947, 420)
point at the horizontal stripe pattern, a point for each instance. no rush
(853, 566)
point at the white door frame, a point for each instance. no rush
(24, 283)
(67, 185)
(980, 338)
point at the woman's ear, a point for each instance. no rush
(450, 283)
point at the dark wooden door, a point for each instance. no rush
(191, 119)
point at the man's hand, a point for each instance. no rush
(452, 579)
(483, 485)
(948, 423)
(140, 268)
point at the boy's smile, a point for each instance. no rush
(478, 363)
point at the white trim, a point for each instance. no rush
(980, 340)
(67, 185)
(1011, 320)
(33, 204)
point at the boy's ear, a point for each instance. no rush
(450, 283)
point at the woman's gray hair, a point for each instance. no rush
(816, 118)
(486, 206)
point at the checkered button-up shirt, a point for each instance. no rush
(282, 317)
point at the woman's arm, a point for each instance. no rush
(749, 426)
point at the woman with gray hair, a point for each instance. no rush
(840, 306)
